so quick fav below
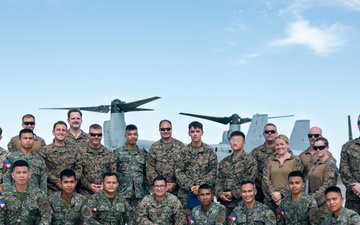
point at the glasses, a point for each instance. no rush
(358, 122)
(269, 131)
(165, 129)
(313, 135)
(95, 134)
(159, 186)
(29, 123)
(235, 141)
(322, 147)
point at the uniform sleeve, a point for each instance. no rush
(314, 214)
(220, 217)
(266, 184)
(270, 217)
(354, 219)
(7, 180)
(220, 179)
(142, 217)
(130, 213)
(2, 210)
(11, 145)
(150, 164)
(210, 176)
(51, 178)
(179, 214)
(182, 180)
(92, 202)
(112, 162)
(330, 179)
(345, 170)
(78, 166)
(44, 210)
(43, 178)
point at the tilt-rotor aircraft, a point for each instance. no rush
(254, 136)
(114, 129)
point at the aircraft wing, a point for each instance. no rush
(100, 108)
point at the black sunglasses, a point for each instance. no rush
(165, 129)
(322, 147)
(269, 131)
(95, 134)
(313, 135)
(29, 123)
(358, 122)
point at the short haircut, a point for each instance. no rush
(1, 131)
(109, 174)
(67, 173)
(247, 182)
(95, 126)
(59, 122)
(196, 124)
(73, 110)
(19, 163)
(284, 138)
(206, 186)
(131, 127)
(26, 130)
(269, 124)
(326, 142)
(237, 133)
(159, 178)
(28, 116)
(296, 173)
(333, 189)
(164, 121)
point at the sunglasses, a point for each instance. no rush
(313, 135)
(165, 129)
(29, 123)
(95, 134)
(269, 131)
(322, 147)
(358, 122)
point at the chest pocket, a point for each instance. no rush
(103, 207)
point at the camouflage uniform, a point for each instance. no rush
(195, 166)
(321, 176)
(167, 212)
(34, 209)
(261, 154)
(275, 177)
(111, 212)
(3, 155)
(80, 142)
(58, 158)
(300, 212)
(37, 168)
(132, 174)
(350, 172)
(14, 144)
(308, 160)
(161, 160)
(346, 217)
(214, 216)
(258, 215)
(77, 213)
(95, 162)
(232, 171)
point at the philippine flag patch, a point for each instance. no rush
(190, 219)
(6, 164)
(51, 210)
(92, 208)
(2, 204)
(280, 211)
(232, 217)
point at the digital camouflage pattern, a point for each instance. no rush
(78, 211)
(350, 172)
(261, 154)
(214, 216)
(346, 217)
(14, 144)
(57, 159)
(300, 212)
(167, 212)
(95, 162)
(131, 171)
(321, 176)
(195, 166)
(114, 212)
(37, 168)
(34, 210)
(161, 160)
(3, 155)
(80, 142)
(232, 171)
(258, 215)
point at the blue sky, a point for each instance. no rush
(215, 58)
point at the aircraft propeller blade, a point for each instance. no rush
(100, 108)
(233, 119)
(131, 106)
(273, 117)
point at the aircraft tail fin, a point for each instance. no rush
(298, 138)
(254, 135)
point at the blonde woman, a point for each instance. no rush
(276, 171)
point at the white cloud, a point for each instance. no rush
(321, 40)
(245, 59)
(353, 4)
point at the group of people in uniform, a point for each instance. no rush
(77, 180)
